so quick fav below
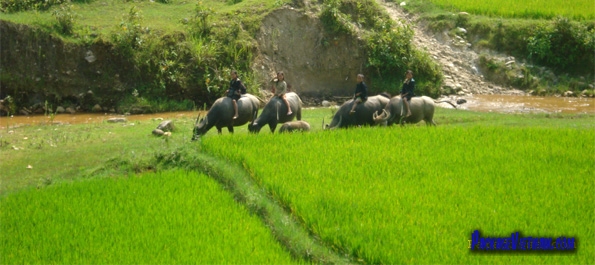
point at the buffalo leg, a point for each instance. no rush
(230, 129)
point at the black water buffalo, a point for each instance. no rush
(295, 126)
(221, 115)
(363, 112)
(275, 111)
(422, 108)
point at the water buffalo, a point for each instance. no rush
(221, 115)
(275, 111)
(422, 108)
(295, 126)
(363, 112)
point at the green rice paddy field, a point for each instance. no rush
(174, 217)
(414, 195)
(376, 194)
(539, 9)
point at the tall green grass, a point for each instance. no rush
(536, 9)
(415, 194)
(174, 217)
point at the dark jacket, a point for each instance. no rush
(408, 88)
(363, 89)
(236, 88)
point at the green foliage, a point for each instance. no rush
(200, 23)
(66, 18)
(389, 48)
(562, 45)
(128, 35)
(334, 20)
(390, 55)
(11, 6)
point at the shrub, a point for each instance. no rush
(66, 18)
(562, 44)
(128, 35)
(334, 20)
(200, 23)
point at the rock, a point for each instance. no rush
(461, 101)
(448, 88)
(115, 120)
(325, 103)
(24, 111)
(166, 126)
(39, 110)
(403, 4)
(96, 108)
(458, 87)
(462, 30)
(569, 94)
(157, 132)
(90, 57)
(60, 109)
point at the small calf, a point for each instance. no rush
(292, 126)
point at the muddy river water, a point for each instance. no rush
(528, 104)
(484, 103)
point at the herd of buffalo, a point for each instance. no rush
(379, 109)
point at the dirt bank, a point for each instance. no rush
(314, 64)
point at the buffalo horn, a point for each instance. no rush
(384, 115)
(197, 118)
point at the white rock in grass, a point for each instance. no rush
(29, 166)
(403, 4)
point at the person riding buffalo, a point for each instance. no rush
(279, 88)
(235, 91)
(407, 90)
(361, 92)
